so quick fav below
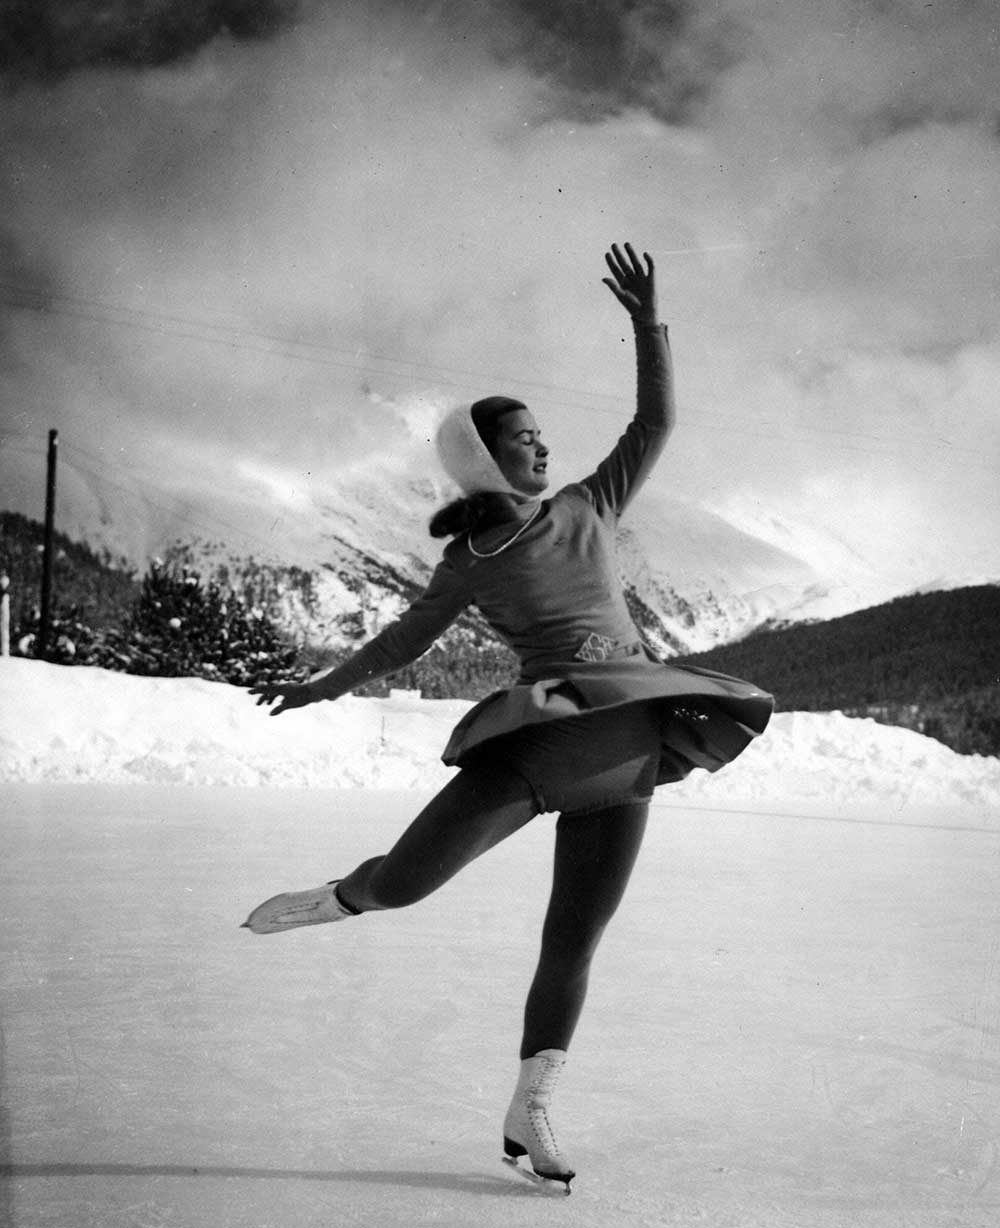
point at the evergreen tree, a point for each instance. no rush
(181, 627)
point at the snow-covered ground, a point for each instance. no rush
(794, 1020)
(60, 723)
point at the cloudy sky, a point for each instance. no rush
(269, 238)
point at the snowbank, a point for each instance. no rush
(78, 723)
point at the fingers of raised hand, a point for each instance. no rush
(628, 266)
(623, 296)
(615, 263)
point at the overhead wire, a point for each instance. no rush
(315, 351)
(348, 358)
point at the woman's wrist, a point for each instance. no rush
(343, 678)
(321, 687)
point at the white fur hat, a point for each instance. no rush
(464, 456)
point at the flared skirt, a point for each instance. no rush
(706, 718)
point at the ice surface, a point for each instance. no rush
(793, 1023)
(794, 1020)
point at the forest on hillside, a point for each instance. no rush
(175, 621)
(170, 623)
(930, 662)
(98, 586)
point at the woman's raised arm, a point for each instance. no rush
(620, 474)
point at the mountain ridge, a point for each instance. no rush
(926, 661)
(702, 576)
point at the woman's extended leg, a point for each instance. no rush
(475, 811)
(594, 857)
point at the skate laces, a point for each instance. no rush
(537, 1099)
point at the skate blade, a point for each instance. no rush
(550, 1185)
(266, 919)
(285, 912)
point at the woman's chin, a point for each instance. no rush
(534, 486)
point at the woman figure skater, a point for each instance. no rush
(593, 725)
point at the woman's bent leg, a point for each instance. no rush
(594, 857)
(475, 811)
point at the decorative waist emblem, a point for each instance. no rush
(595, 648)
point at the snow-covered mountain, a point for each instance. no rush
(345, 557)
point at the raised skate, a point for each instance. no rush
(295, 908)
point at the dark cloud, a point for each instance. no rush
(604, 57)
(48, 39)
(598, 57)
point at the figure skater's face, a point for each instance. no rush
(520, 453)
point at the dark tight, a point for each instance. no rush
(594, 856)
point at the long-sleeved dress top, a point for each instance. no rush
(554, 596)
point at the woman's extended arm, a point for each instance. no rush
(621, 474)
(635, 288)
(397, 645)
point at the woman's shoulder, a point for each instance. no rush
(455, 550)
(575, 499)
(574, 491)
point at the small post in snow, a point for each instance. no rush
(4, 615)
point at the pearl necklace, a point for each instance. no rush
(491, 554)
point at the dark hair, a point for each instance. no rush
(483, 508)
(486, 415)
(471, 513)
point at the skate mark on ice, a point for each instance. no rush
(941, 1062)
(470, 1183)
(862, 821)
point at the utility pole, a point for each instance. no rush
(45, 617)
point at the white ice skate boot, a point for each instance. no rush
(295, 908)
(527, 1129)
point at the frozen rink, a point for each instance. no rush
(794, 1020)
